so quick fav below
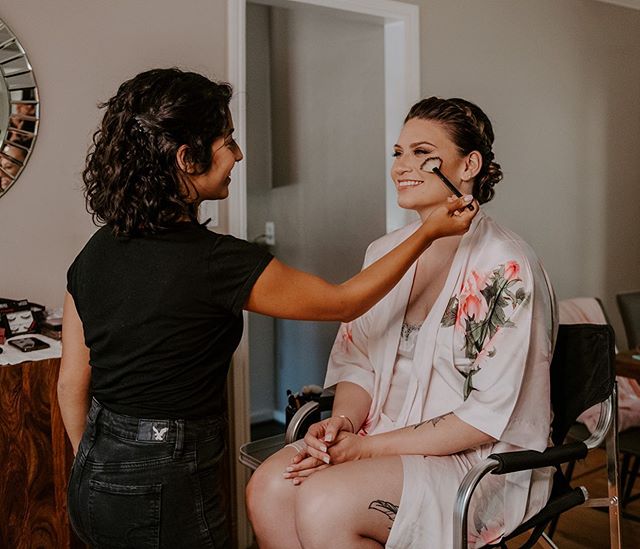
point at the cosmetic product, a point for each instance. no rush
(28, 344)
(432, 165)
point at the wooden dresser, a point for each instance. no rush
(35, 459)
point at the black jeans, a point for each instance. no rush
(139, 484)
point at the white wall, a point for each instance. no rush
(326, 191)
(560, 79)
(81, 51)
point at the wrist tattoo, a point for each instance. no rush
(434, 421)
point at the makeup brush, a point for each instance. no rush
(432, 165)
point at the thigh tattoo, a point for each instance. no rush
(385, 507)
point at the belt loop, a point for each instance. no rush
(92, 418)
(177, 452)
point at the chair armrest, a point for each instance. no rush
(509, 462)
(300, 421)
(502, 463)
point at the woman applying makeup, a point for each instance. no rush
(153, 313)
(450, 367)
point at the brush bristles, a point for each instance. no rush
(431, 163)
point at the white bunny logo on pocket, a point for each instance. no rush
(159, 434)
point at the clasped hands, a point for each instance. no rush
(327, 443)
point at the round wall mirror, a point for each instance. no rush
(19, 108)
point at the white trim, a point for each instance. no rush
(239, 428)
(633, 4)
(402, 87)
(236, 71)
(390, 10)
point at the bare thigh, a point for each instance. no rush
(345, 505)
(271, 503)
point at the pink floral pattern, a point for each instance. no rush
(471, 302)
(490, 533)
(511, 270)
(481, 310)
(346, 337)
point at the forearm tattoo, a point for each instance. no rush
(385, 507)
(434, 421)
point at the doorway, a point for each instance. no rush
(315, 172)
(321, 87)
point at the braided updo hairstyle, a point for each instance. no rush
(132, 179)
(470, 130)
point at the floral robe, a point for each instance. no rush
(483, 352)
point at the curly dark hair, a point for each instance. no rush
(132, 179)
(470, 129)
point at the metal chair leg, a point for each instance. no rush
(549, 541)
(611, 443)
(463, 498)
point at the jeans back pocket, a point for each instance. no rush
(124, 516)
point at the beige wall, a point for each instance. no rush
(81, 51)
(327, 150)
(559, 78)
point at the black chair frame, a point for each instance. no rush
(563, 497)
(599, 387)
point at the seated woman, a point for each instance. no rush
(451, 366)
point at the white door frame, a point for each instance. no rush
(402, 88)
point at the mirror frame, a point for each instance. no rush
(23, 109)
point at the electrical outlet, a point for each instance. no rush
(270, 233)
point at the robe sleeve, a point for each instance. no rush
(349, 360)
(500, 366)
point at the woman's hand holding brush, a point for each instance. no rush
(452, 218)
(432, 165)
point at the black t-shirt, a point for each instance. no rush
(162, 315)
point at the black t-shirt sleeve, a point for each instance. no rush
(234, 267)
(71, 277)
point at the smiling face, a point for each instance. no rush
(225, 153)
(214, 183)
(420, 190)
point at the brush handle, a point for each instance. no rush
(450, 186)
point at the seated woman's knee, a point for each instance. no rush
(317, 507)
(265, 486)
